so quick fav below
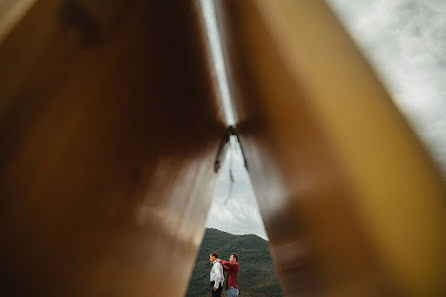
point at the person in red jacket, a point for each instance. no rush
(232, 267)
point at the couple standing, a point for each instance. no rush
(217, 276)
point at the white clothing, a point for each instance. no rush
(217, 275)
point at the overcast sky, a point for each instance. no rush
(405, 41)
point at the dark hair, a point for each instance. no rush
(215, 254)
(235, 256)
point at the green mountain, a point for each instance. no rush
(257, 276)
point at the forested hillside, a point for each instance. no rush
(257, 275)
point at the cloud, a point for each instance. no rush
(238, 214)
(405, 40)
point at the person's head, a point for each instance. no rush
(233, 258)
(213, 256)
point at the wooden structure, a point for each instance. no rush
(110, 126)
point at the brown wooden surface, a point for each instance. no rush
(350, 200)
(108, 133)
(109, 130)
(11, 11)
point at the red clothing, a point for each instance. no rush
(232, 269)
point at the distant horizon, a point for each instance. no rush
(236, 234)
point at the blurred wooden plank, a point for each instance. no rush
(108, 129)
(351, 202)
(10, 13)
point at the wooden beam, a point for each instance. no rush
(108, 128)
(11, 11)
(351, 202)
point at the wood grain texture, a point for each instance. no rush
(351, 202)
(109, 129)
